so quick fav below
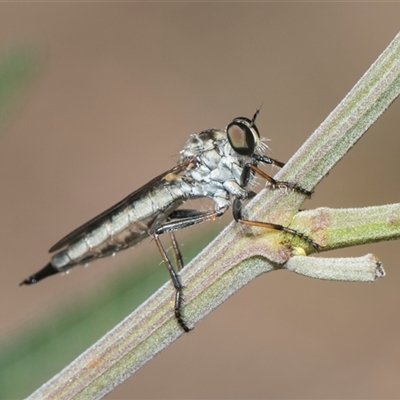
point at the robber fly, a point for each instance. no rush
(219, 164)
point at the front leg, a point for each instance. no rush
(267, 160)
(237, 214)
(249, 167)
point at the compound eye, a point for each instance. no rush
(243, 136)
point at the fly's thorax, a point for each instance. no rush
(199, 143)
(217, 170)
(215, 158)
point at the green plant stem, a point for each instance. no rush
(350, 269)
(351, 226)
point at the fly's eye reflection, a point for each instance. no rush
(243, 137)
(204, 170)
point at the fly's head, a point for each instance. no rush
(243, 135)
(234, 145)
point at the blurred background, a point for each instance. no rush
(104, 96)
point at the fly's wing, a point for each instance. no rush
(101, 218)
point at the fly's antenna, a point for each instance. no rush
(253, 120)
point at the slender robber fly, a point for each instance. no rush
(219, 164)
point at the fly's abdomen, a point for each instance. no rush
(122, 229)
(121, 226)
(100, 243)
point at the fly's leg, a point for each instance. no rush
(267, 160)
(244, 180)
(176, 282)
(180, 219)
(248, 168)
(176, 250)
(237, 214)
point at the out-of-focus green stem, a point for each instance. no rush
(18, 66)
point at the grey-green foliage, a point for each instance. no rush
(19, 65)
